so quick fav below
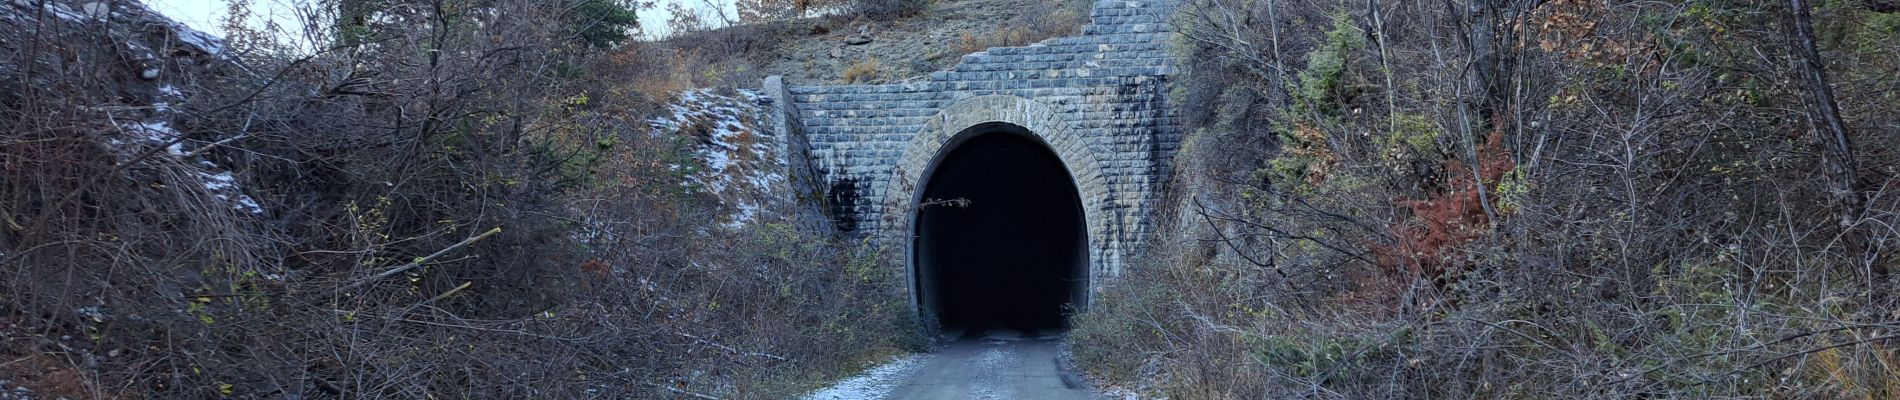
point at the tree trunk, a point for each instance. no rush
(1837, 155)
(1482, 98)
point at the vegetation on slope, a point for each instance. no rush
(1522, 199)
(418, 200)
(905, 42)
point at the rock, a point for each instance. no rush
(857, 40)
(837, 52)
(149, 74)
(96, 9)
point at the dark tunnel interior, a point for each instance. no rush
(1015, 256)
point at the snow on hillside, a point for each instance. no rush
(738, 160)
(136, 137)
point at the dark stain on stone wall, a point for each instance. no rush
(843, 199)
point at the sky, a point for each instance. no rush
(654, 19)
(208, 15)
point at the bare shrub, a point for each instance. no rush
(1517, 199)
(1052, 18)
(438, 201)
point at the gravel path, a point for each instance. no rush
(995, 366)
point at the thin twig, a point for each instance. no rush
(1784, 339)
(1819, 349)
(213, 145)
(418, 263)
(730, 349)
(477, 328)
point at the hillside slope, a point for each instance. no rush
(463, 203)
(816, 50)
(1522, 199)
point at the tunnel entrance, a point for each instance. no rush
(1014, 257)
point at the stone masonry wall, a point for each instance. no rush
(1097, 99)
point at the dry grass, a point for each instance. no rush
(667, 78)
(1004, 36)
(1039, 20)
(867, 70)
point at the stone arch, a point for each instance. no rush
(953, 125)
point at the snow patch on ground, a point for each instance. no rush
(223, 186)
(140, 136)
(874, 383)
(218, 181)
(155, 133)
(1121, 394)
(734, 145)
(210, 45)
(60, 10)
(152, 131)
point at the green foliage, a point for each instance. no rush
(1513, 190)
(1289, 172)
(603, 23)
(570, 165)
(1311, 355)
(353, 17)
(1417, 135)
(1322, 82)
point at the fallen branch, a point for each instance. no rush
(445, 295)
(418, 263)
(1817, 350)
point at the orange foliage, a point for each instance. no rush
(594, 270)
(597, 268)
(1444, 222)
(1569, 28)
(1312, 146)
